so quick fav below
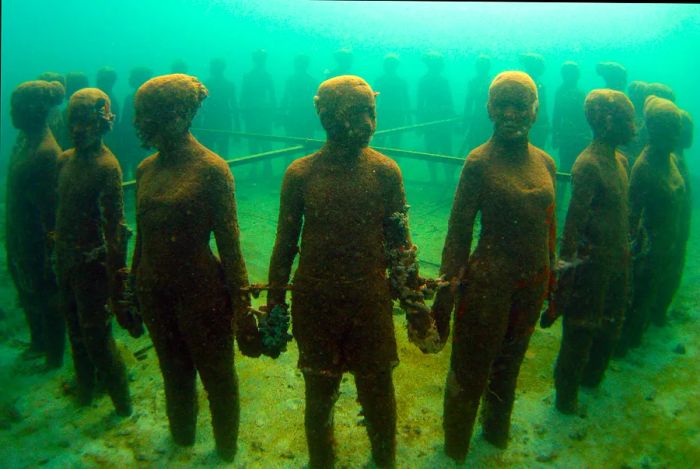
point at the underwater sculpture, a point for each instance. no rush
(504, 283)
(130, 152)
(105, 81)
(476, 119)
(657, 204)
(434, 102)
(345, 196)
(258, 107)
(55, 118)
(30, 213)
(191, 302)
(593, 265)
(393, 105)
(685, 141)
(614, 75)
(638, 92)
(220, 112)
(343, 58)
(91, 240)
(297, 101)
(570, 134)
(533, 65)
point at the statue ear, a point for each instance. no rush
(316, 101)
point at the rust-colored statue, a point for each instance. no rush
(505, 281)
(91, 238)
(657, 199)
(594, 253)
(350, 200)
(191, 301)
(30, 213)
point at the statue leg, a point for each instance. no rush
(375, 392)
(500, 394)
(480, 325)
(606, 337)
(91, 297)
(176, 365)
(209, 336)
(321, 394)
(84, 368)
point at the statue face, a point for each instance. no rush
(155, 130)
(350, 118)
(513, 110)
(624, 129)
(86, 133)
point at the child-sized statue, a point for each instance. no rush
(505, 281)
(30, 213)
(91, 239)
(191, 301)
(348, 198)
(594, 254)
(657, 200)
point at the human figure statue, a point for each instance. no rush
(638, 91)
(30, 208)
(192, 302)
(346, 202)
(594, 253)
(129, 150)
(533, 65)
(343, 58)
(55, 118)
(393, 105)
(657, 199)
(678, 253)
(220, 111)
(74, 81)
(258, 105)
(570, 134)
(106, 78)
(502, 285)
(476, 119)
(614, 75)
(179, 66)
(434, 103)
(298, 100)
(91, 240)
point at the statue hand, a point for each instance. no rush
(248, 336)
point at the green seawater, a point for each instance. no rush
(645, 413)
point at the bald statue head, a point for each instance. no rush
(165, 106)
(512, 105)
(31, 102)
(611, 116)
(346, 107)
(89, 117)
(663, 121)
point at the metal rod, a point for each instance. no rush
(418, 126)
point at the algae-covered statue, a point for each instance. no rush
(434, 103)
(533, 64)
(594, 253)
(658, 196)
(192, 302)
(476, 119)
(30, 212)
(614, 75)
(91, 239)
(504, 282)
(350, 201)
(570, 134)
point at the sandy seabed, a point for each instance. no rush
(646, 413)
